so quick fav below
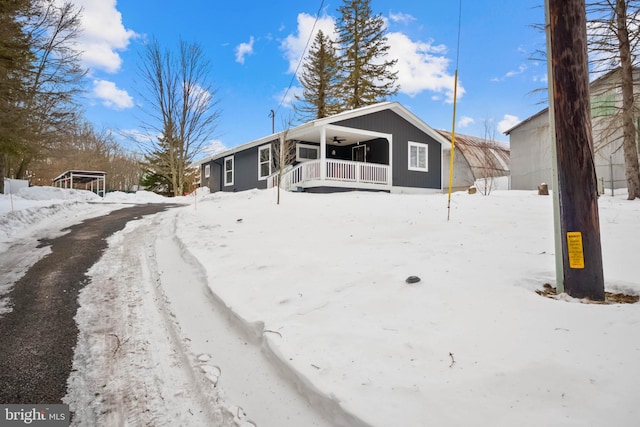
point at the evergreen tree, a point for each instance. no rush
(319, 80)
(15, 59)
(366, 73)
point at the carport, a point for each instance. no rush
(92, 180)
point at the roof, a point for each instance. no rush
(595, 82)
(311, 131)
(485, 157)
(81, 176)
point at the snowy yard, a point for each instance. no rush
(311, 295)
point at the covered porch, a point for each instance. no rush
(338, 157)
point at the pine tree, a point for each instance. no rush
(367, 74)
(15, 59)
(319, 80)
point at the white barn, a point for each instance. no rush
(530, 140)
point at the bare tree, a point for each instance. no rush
(55, 81)
(43, 107)
(94, 150)
(181, 109)
(613, 42)
(488, 171)
(284, 155)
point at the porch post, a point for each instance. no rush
(323, 154)
(390, 170)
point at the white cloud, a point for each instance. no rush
(214, 146)
(294, 44)
(507, 122)
(403, 18)
(287, 99)
(103, 34)
(511, 73)
(199, 96)
(421, 66)
(244, 49)
(111, 96)
(542, 79)
(465, 121)
(521, 69)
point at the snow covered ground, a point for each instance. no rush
(215, 313)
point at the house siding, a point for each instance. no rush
(245, 172)
(215, 176)
(389, 122)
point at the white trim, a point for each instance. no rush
(316, 148)
(207, 170)
(233, 167)
(260, 149)
(420, 146)
(415, 190)
(356, 147)
(310, 131)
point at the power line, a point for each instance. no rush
(301, 57)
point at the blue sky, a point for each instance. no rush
(254, 48)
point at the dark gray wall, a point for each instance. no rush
(245, 173)
(389, 122)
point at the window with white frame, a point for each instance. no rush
(264, 162)
(418, 156)
(207, 171)
(305, 152)
(228, 170)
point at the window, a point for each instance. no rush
(228, 170)
(207, 171)
(306, 152)
(603, 105)
(418, 157)
(264, 162)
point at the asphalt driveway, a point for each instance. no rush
(37, 338)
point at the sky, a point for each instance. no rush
(213, 320)
(254, 49)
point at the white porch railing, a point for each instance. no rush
(370, 173)
(336, 170)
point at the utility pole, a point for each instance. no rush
(577, 185)
(272, 114)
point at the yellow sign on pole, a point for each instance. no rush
(574, 246)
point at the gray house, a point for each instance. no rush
(530, 140)
(381, 147)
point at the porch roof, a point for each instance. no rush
(312, 131)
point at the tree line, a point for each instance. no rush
(42, 130)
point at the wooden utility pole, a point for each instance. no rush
(577, 185)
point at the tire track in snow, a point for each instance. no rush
(130, 366)
(258, 394)
(252, 372)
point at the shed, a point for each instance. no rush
(476, 158)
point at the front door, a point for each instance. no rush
(359, 153)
